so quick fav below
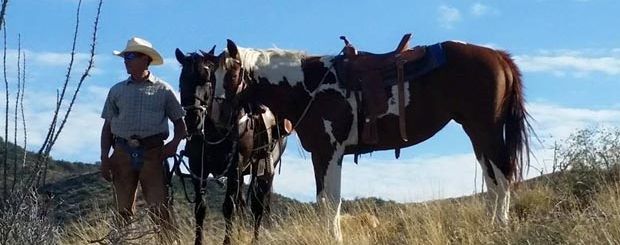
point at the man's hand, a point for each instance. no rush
(106, 172)
(170, 149)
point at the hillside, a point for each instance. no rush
(77, 189)
(78, 195)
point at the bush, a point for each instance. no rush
(592, 158)
(25, 219)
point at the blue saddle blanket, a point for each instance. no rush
(433, 58)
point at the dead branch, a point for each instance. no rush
(6, 116)
(49, 136)
(19, 49)
(21, 103)
(85, 74)
(3, 12)
(53, 132)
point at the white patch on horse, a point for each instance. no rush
(280, 68)
(393, 101)
(330, 196)
(274, 64)
(498, 194)
(502, 190)
(459, 41)
(352, 136)
(243, 119)
(219, 83)
(329, 131)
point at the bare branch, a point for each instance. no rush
(77, 89)
(3, 12)
(6, 115)
(49, 137)
(84, 75)
(21, 103)
(15, 147)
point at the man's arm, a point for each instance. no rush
(180, 132)
(106, 144)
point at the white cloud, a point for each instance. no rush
(479, 9)
(402, 180)
(575, 63)
(79, 139)
(448, 16)
(559, 122)
(57, 59)
(172, 65)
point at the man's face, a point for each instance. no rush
(135, 62)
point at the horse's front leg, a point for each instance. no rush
(230, 201)
(327, 173)
(200, 208)
(260, 191)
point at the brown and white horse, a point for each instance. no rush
(246, 144)
(478, 87)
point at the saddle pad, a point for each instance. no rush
(433, 58)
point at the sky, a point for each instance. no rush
(568, 52)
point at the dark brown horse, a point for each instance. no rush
(478, 87)
(249, 142)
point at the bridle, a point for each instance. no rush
(204, 109)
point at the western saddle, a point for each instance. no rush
(364, 71)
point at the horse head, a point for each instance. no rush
(241, 77)
(196, 84)
(230, 84)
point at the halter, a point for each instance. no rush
(203, 110)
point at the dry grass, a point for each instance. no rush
(540, 215)
(580, 205)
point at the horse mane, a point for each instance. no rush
(253, 59)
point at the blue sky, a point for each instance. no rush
(568, 51)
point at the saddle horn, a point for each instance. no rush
(404, 43)
(346, 42)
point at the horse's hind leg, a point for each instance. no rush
(260, 199)
(491, 153)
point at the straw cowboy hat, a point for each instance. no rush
(136, 44)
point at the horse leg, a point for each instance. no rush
(492, 154)
(327, 174)
(261, 187)
(230, 201)
(200, 208)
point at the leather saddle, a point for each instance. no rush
(364, 71)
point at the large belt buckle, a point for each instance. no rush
(133, 142)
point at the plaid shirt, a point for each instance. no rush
(141, 109)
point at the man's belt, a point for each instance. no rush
(146, 142)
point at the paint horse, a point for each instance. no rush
(480, 88)
(249, 142)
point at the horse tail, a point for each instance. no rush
(516, 124)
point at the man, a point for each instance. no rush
(136, 114)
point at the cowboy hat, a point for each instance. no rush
(136, 44)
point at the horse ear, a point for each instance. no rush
(180, 55)
(233, 51)
(210, 53)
